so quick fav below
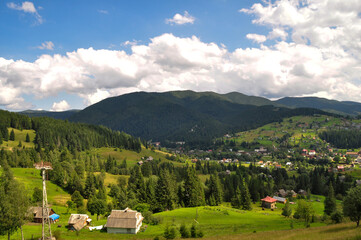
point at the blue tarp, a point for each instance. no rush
(54, 217)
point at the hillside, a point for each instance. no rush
(183, 115)
(344, 107)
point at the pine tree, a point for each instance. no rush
(165, 191)
(215, 194)
(193, 191)
(27, 139)
(12, 135)
(245, 197)
(136, 184)
(237, 199)
(330, 201)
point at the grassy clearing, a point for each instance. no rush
(20, 135)
(132, 157)
(31, 178)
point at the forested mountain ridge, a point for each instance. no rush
(182, 115)
(338, 107)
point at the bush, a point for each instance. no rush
(193, 231)
(170, 233)
(184, 231)
(336, 217)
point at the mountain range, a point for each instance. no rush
(195, 116)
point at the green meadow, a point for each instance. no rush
(20, 135)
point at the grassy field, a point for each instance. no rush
(31, 178)
(132, 157)
(215, 222)
(20, 135)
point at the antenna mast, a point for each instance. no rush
(46, 228)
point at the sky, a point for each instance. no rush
(59, 55)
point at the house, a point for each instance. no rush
(280, 199)
(352, 154)
(358, 182)
(281, 193)
(269, 202)
(37, 213)
(124, 221)
(312, 153)
(149, 159)
(302, 192)
(140, 163)
(78, 221)
(340, 168)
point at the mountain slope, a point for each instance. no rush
(346, 107)
(181, 115)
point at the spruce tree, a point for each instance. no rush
(165, 191)
(12, 135)
(215, 193)
(27, 139)
(193, 191)
(237, 199)
(245, 197)
(330, 201)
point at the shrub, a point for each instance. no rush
(336, 217)
(184, 231)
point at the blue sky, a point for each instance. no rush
(57, 56)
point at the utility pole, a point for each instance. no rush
(46, 228)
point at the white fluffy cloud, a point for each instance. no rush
(321, 58)
(256, 37)
(48, 45)
(60, 106)
(27, 7)
(181, 19)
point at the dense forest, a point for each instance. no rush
(60, 134)
(342, 138)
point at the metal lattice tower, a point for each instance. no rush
(46, 228)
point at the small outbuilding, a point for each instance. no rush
(78, 221)
(37, 214)
(280, 199)
(269, 202)
(124, 221)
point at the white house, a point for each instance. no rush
(124, 221)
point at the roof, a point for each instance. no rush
(269, 199)
(38, 211)
(280, 199)
(74, 218)
(126, 218)
(54, 217)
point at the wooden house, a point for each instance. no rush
(124, 221)
(37, 214)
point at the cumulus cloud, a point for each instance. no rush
(256, 37)
(129, 43)
(305, 65)
(179, 19)
(27, 7)
(48, 45)
(60, 106)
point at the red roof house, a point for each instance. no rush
(269, 202)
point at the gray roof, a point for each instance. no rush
(279, 199)
(126, 218)
(38, 211)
